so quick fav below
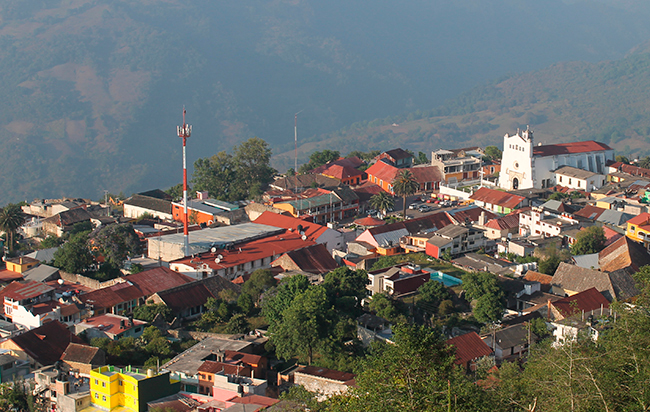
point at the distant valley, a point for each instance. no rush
(93, 89)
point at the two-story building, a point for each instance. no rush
(456, 169)
(455, 240)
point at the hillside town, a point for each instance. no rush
(153, 302)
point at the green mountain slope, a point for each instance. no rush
(93, 89)
(607, 101)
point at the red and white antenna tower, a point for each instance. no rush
(184, 132)
(295, 137)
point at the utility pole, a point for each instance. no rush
(295, 140)
(184, 132)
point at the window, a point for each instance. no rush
(103, 384)
(104, 398)
(560, 179)
(119, 383)
(96, 395)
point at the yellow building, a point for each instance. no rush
(21, 264)
(129, 388)
(638, 228)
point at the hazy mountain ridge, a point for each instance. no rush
(606, 101)
(93, 89)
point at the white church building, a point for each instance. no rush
(525, 166)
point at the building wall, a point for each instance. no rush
(516, 161)
(135, 212)
(325, 388)
(21, 316)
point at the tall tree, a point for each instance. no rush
(74, 256)
(382, 201)
(305, 325)
(484, 289)
(11, 218)
(215, 175)
(252, 160)
(116, 242)
(493, 153)
(405, 185)
(589, 240)
(317, 159)
(260, 281)
(416, 373)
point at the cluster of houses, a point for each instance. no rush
(310, 224)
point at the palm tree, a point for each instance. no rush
(11, 218)
(382, 201)
(405, 185)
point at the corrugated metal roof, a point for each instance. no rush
(468, 347)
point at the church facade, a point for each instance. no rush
(525, 166)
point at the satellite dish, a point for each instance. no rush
(61, 281)
(217, 260)
(219, 256)
(303, 237)
(213, 249)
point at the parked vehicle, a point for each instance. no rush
(415, 205)
(424, 208)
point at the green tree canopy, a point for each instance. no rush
(149, 312)
(280, 297)
(11, 218)
(74, 256)
(493, 152)
(116, 243)
(344, 282)
(432, 294)
(317, 159)
(405, 185)
(382, 201)
(589, 240)
(484, 289)
(260, 281)
(416, 373)
(242, 175)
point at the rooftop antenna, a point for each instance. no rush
(184, 132)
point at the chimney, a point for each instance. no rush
(203, 195)
(548, 311)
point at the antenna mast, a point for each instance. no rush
(184, 132)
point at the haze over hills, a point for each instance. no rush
(93, 89)
(566, 102)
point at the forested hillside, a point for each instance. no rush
(566, 102)
(93, 89)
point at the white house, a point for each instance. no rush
(525, 166)
(574, 178)
(539, 222)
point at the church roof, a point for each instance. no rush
(569, 148)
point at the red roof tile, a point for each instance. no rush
(112, 323)
(468, 347)
(630, 169)
(497, 197)
(341, 172)
(353, 162)
(369, 221)
(47, 343)
(426, 174)
(226, 368)
(504, 223)
(20, 290)
(567, 148)
(640, 220)
(157, 279)
(533, 276)
(253, 250)
(312, 230)
(590, 299)
(382, 171)
(189, 295)
(9, 275)
(590, 212)
(313, 259)
(255, 399)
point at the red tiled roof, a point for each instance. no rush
(341, 172)
(611, 236)
(157, 279)
(468, 347)
(247, 358)
(312, 230)
(352, 162)
(623, 253)
(366, 191)
(437, 220)
(112, 295)
(383, 171)
(265, 401)
(47, 343)
(504, 223)
(20, 290)
(410, 283)
(630, 169)
(640, 220)
(568, 148)
(398, 153)
(112, 323)
(369, 221)
(186, 296)
(253, 250)
(590, 299)
(79, 353)
(533, 276)
(497, 197)
(9, 275)
(426, 174)
(313, 259)
(590, 212)
(472, 213)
